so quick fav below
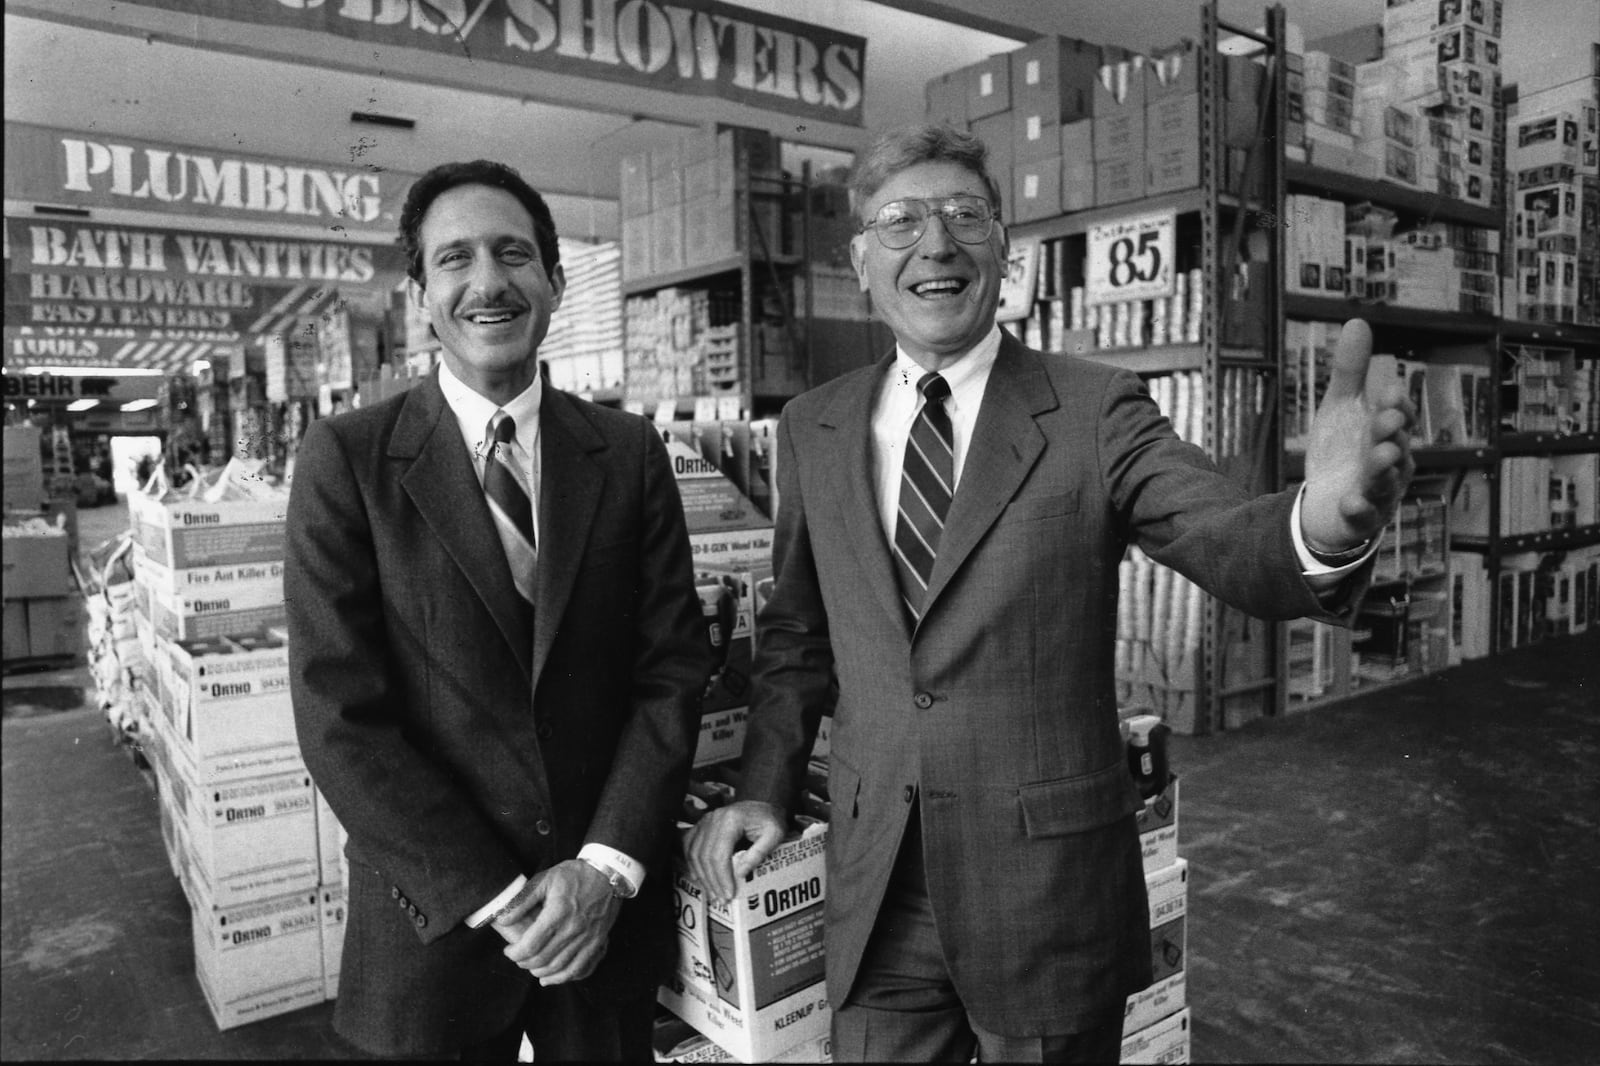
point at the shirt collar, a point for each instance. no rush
(969, 369)
(475, 410)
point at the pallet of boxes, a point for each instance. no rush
(257, 852)
(748, 986)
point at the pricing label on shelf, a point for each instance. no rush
(1130, 259)
(1017, 288)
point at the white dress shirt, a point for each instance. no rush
(474, 414)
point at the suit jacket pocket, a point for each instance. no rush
(1038, 507)
(1078, 804)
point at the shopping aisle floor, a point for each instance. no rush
(1405, 877)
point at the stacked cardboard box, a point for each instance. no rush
(242, 822)
(1554, 165)
(44, 614)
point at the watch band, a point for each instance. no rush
(1344, 558)
(621, 887)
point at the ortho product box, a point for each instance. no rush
(260, 959)
(331, 869)
(332, 915)
(750, 972)
(250, 839)
(1168, 889)
(183, 532)
(1158, 828)
(1167, 1041)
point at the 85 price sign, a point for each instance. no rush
(1130, 259)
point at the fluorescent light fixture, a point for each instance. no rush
(83, 404)
(374, 118)
(96, 371)
(139, 405)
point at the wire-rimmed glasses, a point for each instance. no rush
(901, 223)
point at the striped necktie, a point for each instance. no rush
(510, 504)
(927, 483)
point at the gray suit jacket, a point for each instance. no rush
(457, 746)
(1001, 705)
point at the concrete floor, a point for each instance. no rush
(1398, 878)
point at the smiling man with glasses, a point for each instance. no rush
(945, 565)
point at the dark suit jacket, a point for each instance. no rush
(1001, 705)
(457, 748)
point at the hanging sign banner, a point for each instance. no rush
(683, 46)
(170, 351)
(90, 170)
(1130, 259)
(58, 247)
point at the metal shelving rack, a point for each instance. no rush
(1228, 689)
(757, 391)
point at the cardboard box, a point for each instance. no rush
(332, 916)
(55, 626)
(15, 634)
(35, 565)
(1168, 890)
(1158, 828)
(708, 229)
(1165, 1041)
(183, 532)
(666, 238)
(260, 959)
(637, 261)
(989, 86)
(1172, 72)
(945, 98)
(1036, 189)
(1118, 180)
(251, 839)
(23, 466)
(1172, 144)
(331, 866)
(750, 973)
(634, 201)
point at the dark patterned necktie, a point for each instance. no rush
(510, 505)
(927, 483)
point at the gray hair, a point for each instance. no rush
(906, 146)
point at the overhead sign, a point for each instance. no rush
(1130, 259)
(170, 351)
(66, 388)
(57, 247)
(684, 46)
(89, 170)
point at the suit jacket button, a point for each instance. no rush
(911, 793)
(394, 893)
(544, 731)
(422, 921)
(922, 700)
(404, 903)
(412, 910)
(543, 827)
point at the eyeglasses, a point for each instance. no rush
(901, 223)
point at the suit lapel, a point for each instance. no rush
(851, 416)
(571, 481)
(444, 488)
(1006, 442)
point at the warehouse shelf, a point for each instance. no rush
(1548, 443)
(1350, 188)
(1556, 333)
(1162, 359)
(1422, 320)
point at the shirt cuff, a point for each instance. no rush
(600, 855)
(1322, 574)
(480, 917)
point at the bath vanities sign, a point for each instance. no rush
(684, 46)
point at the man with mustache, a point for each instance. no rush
(497, 656)
(945, 560)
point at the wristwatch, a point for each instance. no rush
(621, 887)
(1344, 558)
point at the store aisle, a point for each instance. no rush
(1400, 878)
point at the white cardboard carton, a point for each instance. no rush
(750, 973)
(1167, 1041)
(1158, 828)
(331, 903)
(260, 959)
(1168, 890)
